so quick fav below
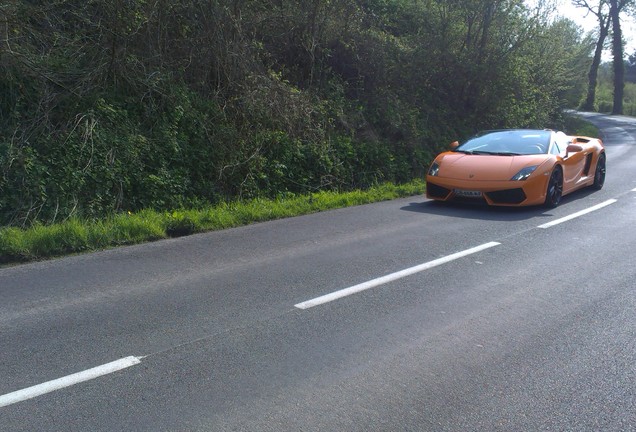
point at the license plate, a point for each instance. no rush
(467, 193)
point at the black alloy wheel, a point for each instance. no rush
(555, 188)
(599, 174)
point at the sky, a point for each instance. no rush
(628, 26)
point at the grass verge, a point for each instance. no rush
(578, 126)
(76, 235)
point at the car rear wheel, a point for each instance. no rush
(555, 188)
(599, 174)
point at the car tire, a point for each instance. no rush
(599, 172)
(555, 188)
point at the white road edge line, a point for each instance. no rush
(577, 214)
(634, 190)
(391, 277)
(67, 381)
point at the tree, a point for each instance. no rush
(617, 53)
(630, 68)
(616, 7)
(601, 11)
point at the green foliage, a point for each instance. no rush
(110, 107)
(604, 100)
(605, 93)
(577, 126)
(77, 235)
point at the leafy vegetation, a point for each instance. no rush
(605, 90)
(126, 105)
(577, 126)
(75, 235)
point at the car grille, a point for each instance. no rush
(508, 196)
(436, 191)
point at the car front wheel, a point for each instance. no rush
(555, 188)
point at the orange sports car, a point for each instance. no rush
(517, 167)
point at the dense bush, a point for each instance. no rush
(123, 105)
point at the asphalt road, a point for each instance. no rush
(536, 330)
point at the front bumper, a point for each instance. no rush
(500, 193)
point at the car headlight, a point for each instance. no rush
(434, 169)
(524, 173)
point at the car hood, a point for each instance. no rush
(484, 167)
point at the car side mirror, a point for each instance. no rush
(454, 145)
(572, 148)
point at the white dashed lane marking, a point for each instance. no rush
(578, 214)
(112, 367)
(67, 381)
(391, 277)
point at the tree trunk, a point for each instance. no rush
(617, 52)
(596, 62)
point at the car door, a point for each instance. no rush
(573, 163)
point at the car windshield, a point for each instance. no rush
(508, 143)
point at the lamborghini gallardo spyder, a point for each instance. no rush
(517, 167)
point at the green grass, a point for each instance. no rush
(75, 235)
(578, 126)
